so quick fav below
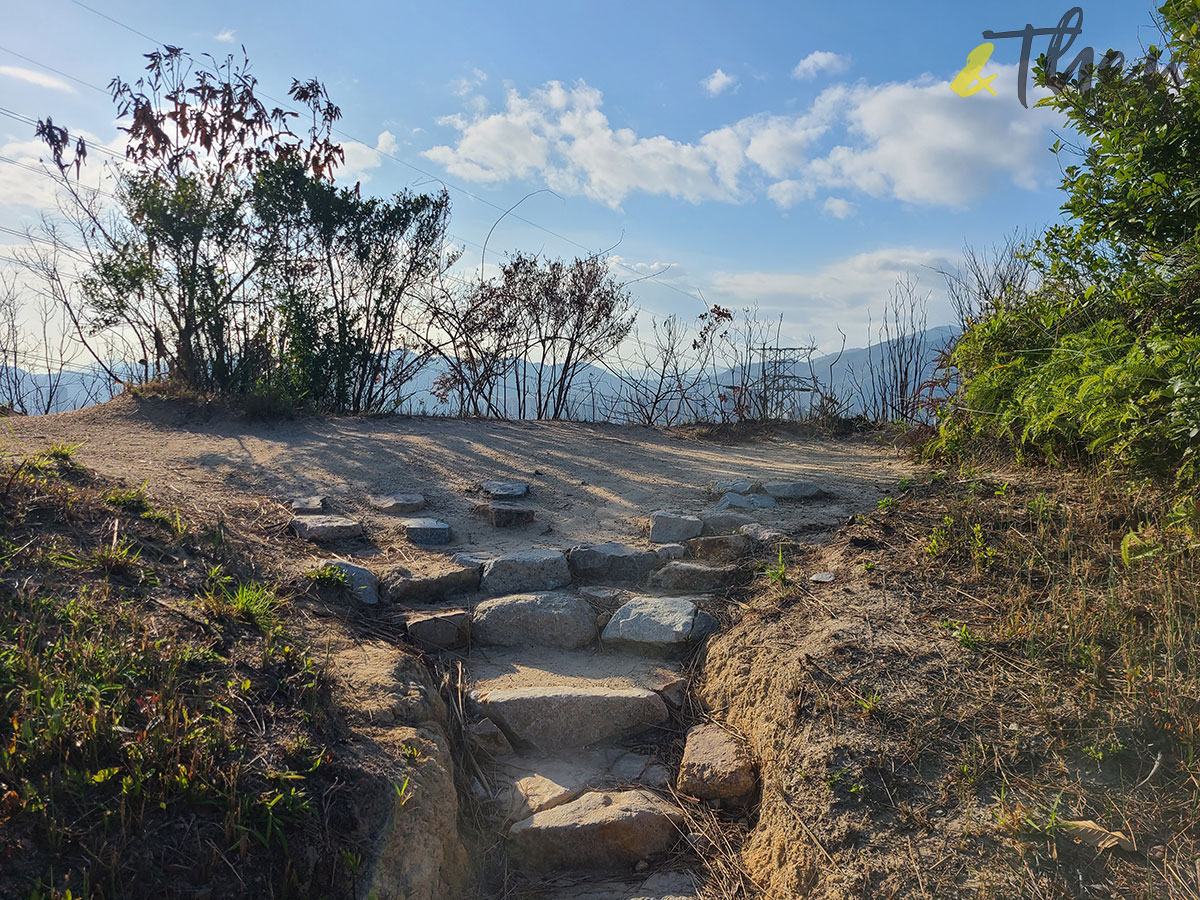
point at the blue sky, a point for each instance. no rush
(795, 155)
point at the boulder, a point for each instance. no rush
(722, 548)
(526, 570)
(715, 766)
(723, 521)
(561, 621)
(326, 528)
(427, 532)
(599, 830)
(792, 490)
(612, 561)
(559, 717)
(744, 501)
(502, 514)
(445, 629)
(361, 582)
(308, 506)
(402, 586)
(692, 576)
(398, 503)
(505, 489)
(671, 528)
(658, 624)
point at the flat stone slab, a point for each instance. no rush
(692, 576)
(402, 586)
(671, 528)
(792, 490)
(528, 785)
(561, 717)
(360, 582)
(715, 766)
(505, 489)
(659, 886)
(612, 562)
(326, 528)
(744, 501)
(503, 514)
(563, 621)
(658, 624)
(308, 506)
(526, 571)
(398, 503)
(599, 830)
(427, 532)
(445, 629)
(724, 521)
(721, 548)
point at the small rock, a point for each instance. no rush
(486, 737)
(762, 534)
(821, 577)
(792, 490)
(560, 717)
(603, 595)
(668, 552)
(426, 532)
(672, 688)
(524, 571)
(442, 630)
(402, 586)
(690, 576)
(744, 501)
(326, 528)
(723, 521)
(308, 506)
(398, 503)
(505, 489)
(722, 548)
(671, 528)
(503, 514)
(612, 561)
(715, 766)
(534, 620)
(597, 831)
(470, 559)
(657, 624)
(361, 582)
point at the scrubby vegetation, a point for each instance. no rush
(160, 728)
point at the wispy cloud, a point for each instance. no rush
(718, 83)
(838, 207)
(29, 76)
(820, 61)
(225, 35)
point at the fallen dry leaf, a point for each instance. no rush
(1089, 832)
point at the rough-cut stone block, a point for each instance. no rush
(308, 506)
(611, 561)
(744, 501)
(360, 582)
(600, 830)
(446, 629)
(671, 528)
(762, 534)
(690, 576)
(792, 490)
(668, 552)
(561, 621)
(505, 489)
(503, 514)
(326, 528)
(398, 503)
(720, 548)
(715, 766)
(558, 717)
(427, 532)
(402, 586)
(657, 624)
(525, 571)
(723, 521)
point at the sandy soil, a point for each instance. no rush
(589, 483)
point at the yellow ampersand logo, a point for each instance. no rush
(970, 81)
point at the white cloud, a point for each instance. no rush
(820, 61)
(838, 207)
(20, 187)
(718, 82)
(225, 35)
(29, 76)
(361, 159)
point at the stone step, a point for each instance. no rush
(599, 830)
(524, 571)
(614, 563)
(693, 576)
(545, 619)
(658, 625)
(437, 580)
(669, 885)
(504, 514)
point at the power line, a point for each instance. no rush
(415, 168)
(48, 174)
(54, 70)
(30, 120)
